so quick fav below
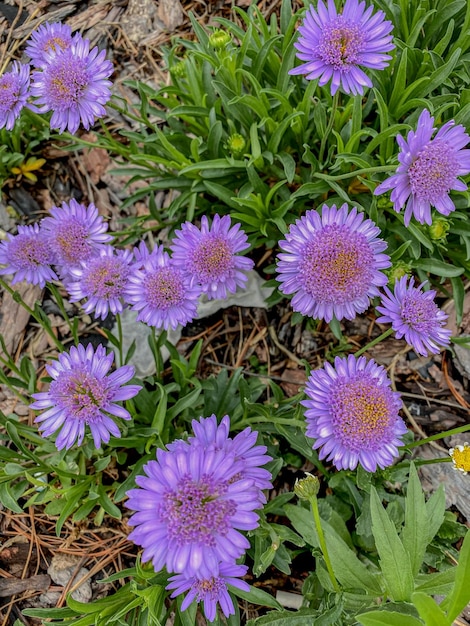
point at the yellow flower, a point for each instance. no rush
(27, 168)
(461, 457)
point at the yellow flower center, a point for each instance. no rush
(461, 457)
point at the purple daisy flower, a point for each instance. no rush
(28, 256)
(332, 263)
(352, 413)
(429, 169)
(102, 281)
(74, 86)
(207, 433)
(47, 41)
(210, 255)
(161, 292)
(141, 254)
(335, 45)
(82, 393)
(75, 232)
(14, 92)
(415, 316)
(191, 505)
(210, 590)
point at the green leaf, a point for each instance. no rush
(429, 610)
(399, 75)
(348, 569)
(256, 596)
(439, 268)
(460, 595)
(414, 535)
(8, 500)
(438, 583)
(441, 74)
(302, 617)
(458, 294)
(394, 561)
(436, 510)
(387, 618)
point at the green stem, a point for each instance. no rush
(47, 327)
(329, 128)
(4, 380)
(60, 303)
(374, 342)
(447, 433)
(365, 170)
(119, 326)
(321, 537)
(419, 462)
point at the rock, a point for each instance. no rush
(62, 568)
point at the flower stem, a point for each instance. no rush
(329, 128)
(365, 170)
(447, 433)
(43, 320)
(119, 327)
(321, 537)
(60, 303)
(374, 342)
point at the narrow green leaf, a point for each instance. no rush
(256, 596)
(460, 596)
(302, 617)
(399, 75)
(394, 561)
(438, 583)
(387, 618)
(436, 509)
(414, 534)
(7, 499)
(439, 268)
(458, 294)
(429, 610)
(441, 74)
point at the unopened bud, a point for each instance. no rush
(219, 39)
(236, 143)
(397, 271)
(439, 229)
(178, 69)
(307, 487)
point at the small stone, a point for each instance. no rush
(61, 570)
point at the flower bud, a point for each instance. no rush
(308, 487)
(236, 143)
(439, 229)
(397, 271)
(178, 69)
(219, 39)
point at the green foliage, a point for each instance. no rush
(19, 147)
(234, 133)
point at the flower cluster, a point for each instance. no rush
(73, 243)
(191, 505)
(68, 79)
(81, 394)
